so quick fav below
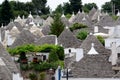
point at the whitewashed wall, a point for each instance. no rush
(77, 51)
(17, 76)
(110, 40)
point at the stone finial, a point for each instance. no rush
(83, 12)
(118, 14)
(84, 18)
(79, 11)
(63, 15)
(23, 17)
(67, 27)
(38, 24)
(92, 44)
(91, 34)
(19, 17)
(2, 25)
(30, 15)
(73, 14)
(61, 45)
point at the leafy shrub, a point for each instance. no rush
(53, 56)
(46, 48)
(43, 48)
(115, 17)
(101, 39)
(24, 48)
(24, 67)
(77, 26)
(60, 52)
(46, 66)
(42, 76)
(33, 76)
(82, 35)
(12, 51)
(68, 16)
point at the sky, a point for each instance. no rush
(53, 3)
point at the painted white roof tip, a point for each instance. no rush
(30, 15)
(83, 12)
(84, 18)
(73, 14)
(18, 17)
(79, 11)
(72, 17)
(32, 23)
(92, 50)
(2, 26)
(118, 14)
(63, 15)
(67, 27)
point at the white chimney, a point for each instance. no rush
(16, 76)
(56, 41)
(79, 54)
(5, 39)
(98, 17)
(114, 53)
(96, 29)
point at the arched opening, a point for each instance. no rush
(69, 50)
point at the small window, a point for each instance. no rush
(44, 57)
(116, 71)
(69, 50)
(118, 55)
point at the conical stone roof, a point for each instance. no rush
(12, 24)
(64, 20)
(25, 37)
(106, 21)
(67, 39)
(93, 66)
(46, 30)
(92, 12)
(48, 39)
(7, 66)
(86, 45)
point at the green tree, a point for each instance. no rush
(107, 7)
(60, 52)
(59, 9)
(57, 26)
(29, 6)
(20, 8)
(112, 6)
(116, 5)
(76, 5)
(67, 8)
(40, 6)
(89, 6)
(82, 35)
(53, 57)
(6, 13)
(33, 76)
